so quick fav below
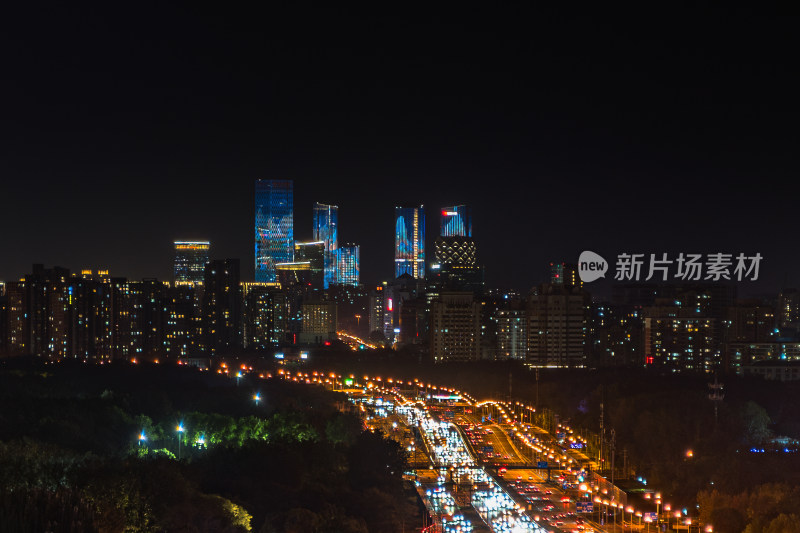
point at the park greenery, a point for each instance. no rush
(95, 447)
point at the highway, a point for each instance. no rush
(476, 466)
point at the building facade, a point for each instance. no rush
(319, 322)
(325, 229)
(512, 334)
(456, 221)
(348, 272)
(314, 254)
(557, 326)
(274, 226)
(455, 331)
(222, 307)
(190, 261)
(409, 242)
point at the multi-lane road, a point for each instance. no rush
(476, 466)
(476, 477)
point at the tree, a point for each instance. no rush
(756, 423)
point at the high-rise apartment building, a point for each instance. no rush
(557, 326)
(190, 261)
(265, 316)
(376, 308)
(455, 327)
(274, 226)
(222, 307)
(565, 274)
(456, 221)
(512, 334)
(409, 242)
(325, 229)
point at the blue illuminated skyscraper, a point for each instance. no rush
(348, 270)
(326, 223)
(274, 226)
(456, 221)
(409, 241)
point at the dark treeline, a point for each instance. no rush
(71, 456)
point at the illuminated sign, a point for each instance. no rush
(278, 356)
(389, 305)
(303, 355)
(449, 213)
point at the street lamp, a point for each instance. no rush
(180, 429)
(257, 397)
(142, 438)
(630, 510)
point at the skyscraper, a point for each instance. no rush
(314, 254)
(190, 261)
(409, 242)
(274, 227)
(456, 221)
(326, 223)
(348, 270)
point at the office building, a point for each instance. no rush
(274, 227)
(455, 266)
(222, 307)
(409, 249)
(455, 327)
(314, 254)
(190, 261)
(348, 264)
(325, 229)
(319, 322)
(456, 221)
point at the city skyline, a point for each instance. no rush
(584, 137)
(298, 267)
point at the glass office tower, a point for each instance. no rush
(348, 271)
(456, 221)
(326, 223)
(190, 261)
(274, 233)
(409, 241)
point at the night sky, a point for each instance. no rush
(637, 132)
